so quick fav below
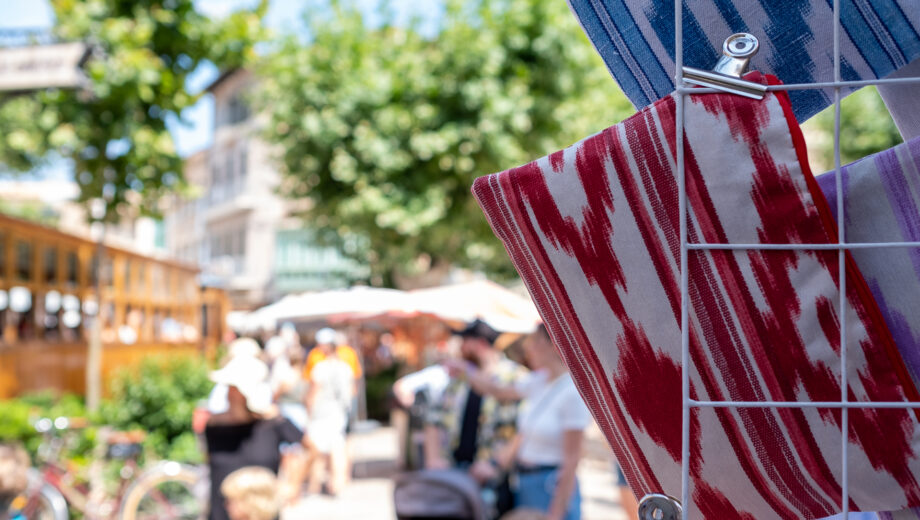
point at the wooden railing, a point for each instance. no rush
(35, 366)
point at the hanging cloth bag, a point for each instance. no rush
(593, 231)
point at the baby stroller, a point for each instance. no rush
(438, 495)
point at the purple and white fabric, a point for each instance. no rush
(882, 204)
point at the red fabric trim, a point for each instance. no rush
(853, 274)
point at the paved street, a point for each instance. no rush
(370, 494)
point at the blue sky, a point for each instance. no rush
(283, 16)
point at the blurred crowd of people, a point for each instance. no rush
(511, 431)
(275, 408)
(515, 429)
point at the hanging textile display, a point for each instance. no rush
(882, 204)
(594, 232)
(636, 40)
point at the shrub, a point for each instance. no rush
(159, 397)
(18, 417)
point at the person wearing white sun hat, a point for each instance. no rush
(238, 348)
(250, 432)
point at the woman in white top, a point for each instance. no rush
(551, 422)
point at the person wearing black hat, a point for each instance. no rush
(475, 426)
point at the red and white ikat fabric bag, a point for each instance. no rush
(594, 232)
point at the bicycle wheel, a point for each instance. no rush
(40, 501)
(168, 491)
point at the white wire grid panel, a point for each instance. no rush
(842, 246)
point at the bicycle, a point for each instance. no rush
(165, 491)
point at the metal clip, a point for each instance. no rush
(726, 76)
(659, 507)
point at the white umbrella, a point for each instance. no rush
(344, 303)
(501, 308)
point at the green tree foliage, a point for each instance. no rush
(31, 210)
(383, 129)
(865, 128)
(114, 131)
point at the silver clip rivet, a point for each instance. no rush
(659, 507)
(740, 45)
(737, 51)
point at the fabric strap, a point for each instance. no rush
(594, 232)
(903, 100)
(635, 38)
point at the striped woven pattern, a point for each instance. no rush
(907, 514)
(881, 201)
(636, 40)
(882, 204)
(594, 232)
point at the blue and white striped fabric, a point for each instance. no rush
(636, 40)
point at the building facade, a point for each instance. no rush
(235, 225)
(55, 287)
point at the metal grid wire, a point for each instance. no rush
(841, 246)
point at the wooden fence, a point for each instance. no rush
(32, 367)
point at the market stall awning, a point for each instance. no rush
(501, 308)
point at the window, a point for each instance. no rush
(128, 281)
(72, 267)
(23, 261)
(140, 281)
(22, 317)
(51, 260)
(158, 280)
(243, 166)
(159, 237)
(71, 317)
(230, 180)
(106, 270)
(53, 306)
(214, 192)
(236, 111)
(2, 257)
(93, 270)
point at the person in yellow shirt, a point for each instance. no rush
(325, 342)
(329, 348)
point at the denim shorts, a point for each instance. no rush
(535, 490)
(297, 414)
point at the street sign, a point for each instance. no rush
(42, 66)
